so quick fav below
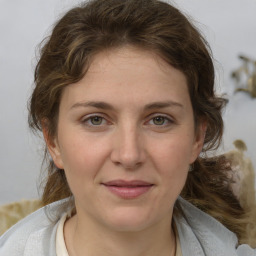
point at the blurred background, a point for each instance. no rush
(229, 26)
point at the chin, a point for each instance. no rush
(129, 220)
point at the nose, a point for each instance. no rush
(128, 148)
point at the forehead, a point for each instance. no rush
(131, 59)
(131, 75)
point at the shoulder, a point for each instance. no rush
(204, 235)
(33, 234)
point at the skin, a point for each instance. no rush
(132, 139)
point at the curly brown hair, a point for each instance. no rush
(98, 25)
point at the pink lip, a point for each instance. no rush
(128, 189)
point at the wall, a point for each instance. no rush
(230, 29)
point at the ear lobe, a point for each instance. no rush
(201, 133)
(199, 140)
(53, 147)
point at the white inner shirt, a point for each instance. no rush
(61, 249)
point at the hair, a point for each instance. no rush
(153, 25)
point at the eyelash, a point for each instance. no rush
(87, 121)
(167, 120)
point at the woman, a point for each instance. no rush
(125, 99)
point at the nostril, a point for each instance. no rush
(128, 151)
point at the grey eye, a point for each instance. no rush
(159, 120)
(96, 120)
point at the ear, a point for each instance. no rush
(53, 146)
(199, 140)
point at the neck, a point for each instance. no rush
(85, 238)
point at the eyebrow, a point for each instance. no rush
(164, 104)
(95, 104)
(107, 106)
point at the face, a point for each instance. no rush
(126, 138)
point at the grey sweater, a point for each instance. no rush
(199, 234)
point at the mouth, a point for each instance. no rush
(128, 189)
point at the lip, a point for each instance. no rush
(128, 189)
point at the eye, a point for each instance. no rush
(95, 120)
(160, 121)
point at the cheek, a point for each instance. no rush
(82, 158)
(173, 153)
(171, 159)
